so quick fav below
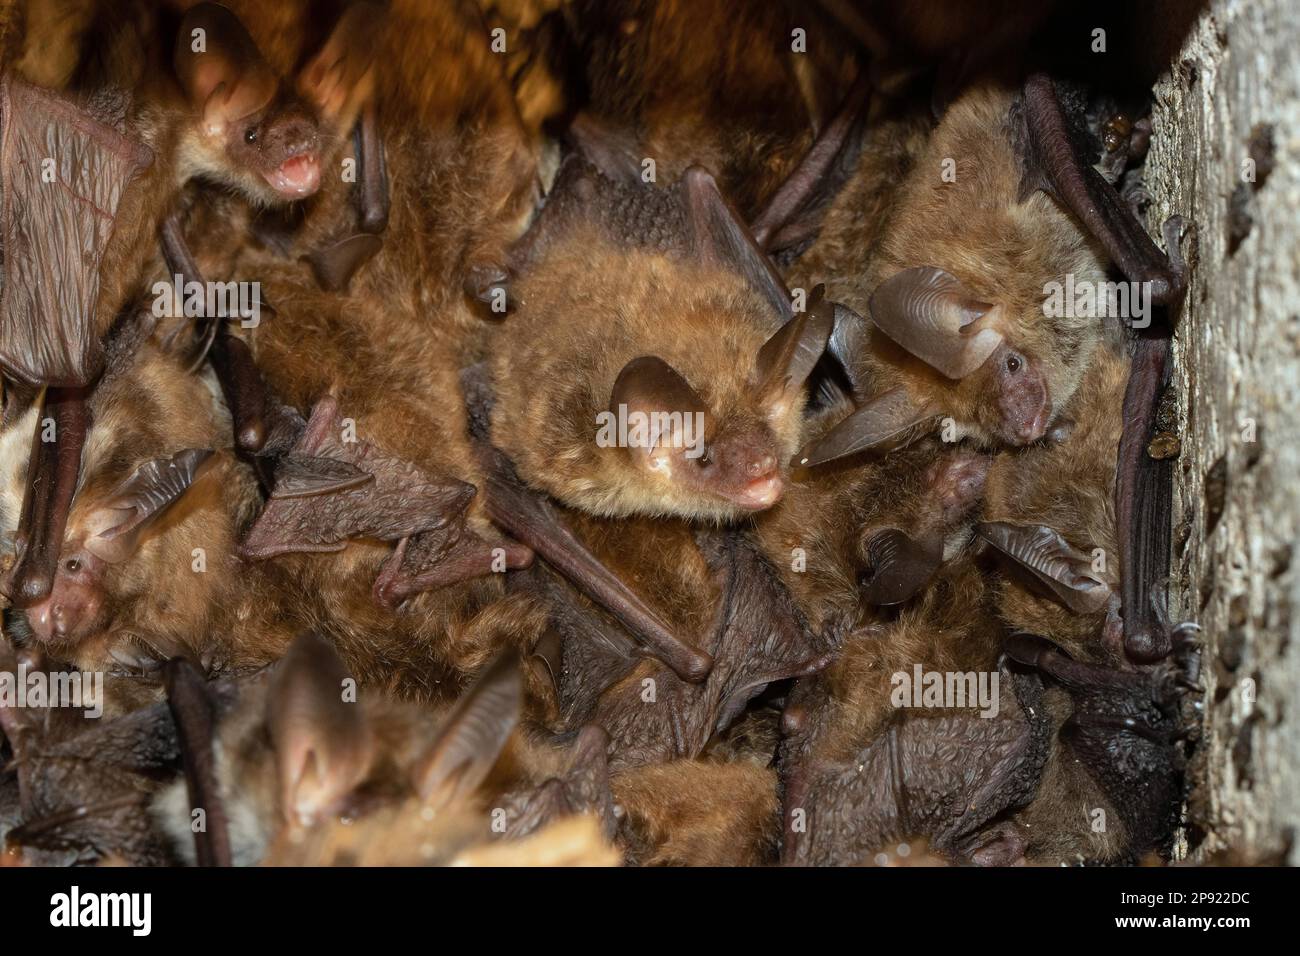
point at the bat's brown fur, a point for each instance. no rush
(588, 308)
(699, 813)
(1067, 485)
(1003, 251)
(713, 83)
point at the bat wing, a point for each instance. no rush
(1054, 163)
(792, 214)
(63, 175)
(401, 501)
(941, 777)
(532, 520)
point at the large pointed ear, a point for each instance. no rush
(651, 387)
(786, 359)
(719, 235)
(322, 739)
(473, 736)
(220, 68)
(898, 565)
(114, 528)
(929, 312)
(1043, 552)
(341, 76)
(880, 420)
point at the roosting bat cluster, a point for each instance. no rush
(649, 431)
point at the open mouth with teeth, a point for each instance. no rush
(297, 177)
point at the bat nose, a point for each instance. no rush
(761, 466)
(63, 620)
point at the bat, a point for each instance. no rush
(373, 497)
(1059, 587)
(145, 568)
(590, 356)
(1060, 554)
(441, 176)
(297, 754)
(998, 378)
(859, 770)
(741, 92)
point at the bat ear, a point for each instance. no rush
(929, 312)
(650, 386)
(473, 736)
(847, 334)
(1052, 560)
(786, 359)
(719, 235)
(883, 418)
(898, 566)
(220, 68)
(341, 77)
(114, 529)
(322, 739)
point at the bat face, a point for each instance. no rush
(691, 451)
(280, 143)
(133, 573)
(959, 297)
(251, 129)
(649, 381)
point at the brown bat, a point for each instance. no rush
(655, 364)
(1061, 551)
(976, 338)
(146, 567)
(441, 176)
(1061, 584)
(100, 200)
(373, 497)
(740, 90)
(872, 754)
(300, 751)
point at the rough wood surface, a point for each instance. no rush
(1230, 100)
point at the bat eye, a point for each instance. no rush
(73, 565)
(250, 135)
(703, 461)
(1013, 363)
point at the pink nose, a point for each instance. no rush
(763, 465)
(55, 622)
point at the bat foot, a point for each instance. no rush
(1126, 729)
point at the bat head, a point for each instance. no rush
(730, 453)
(252, 130)
(140, 559)
(104, 532)
(306, 749)
(993, 384)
